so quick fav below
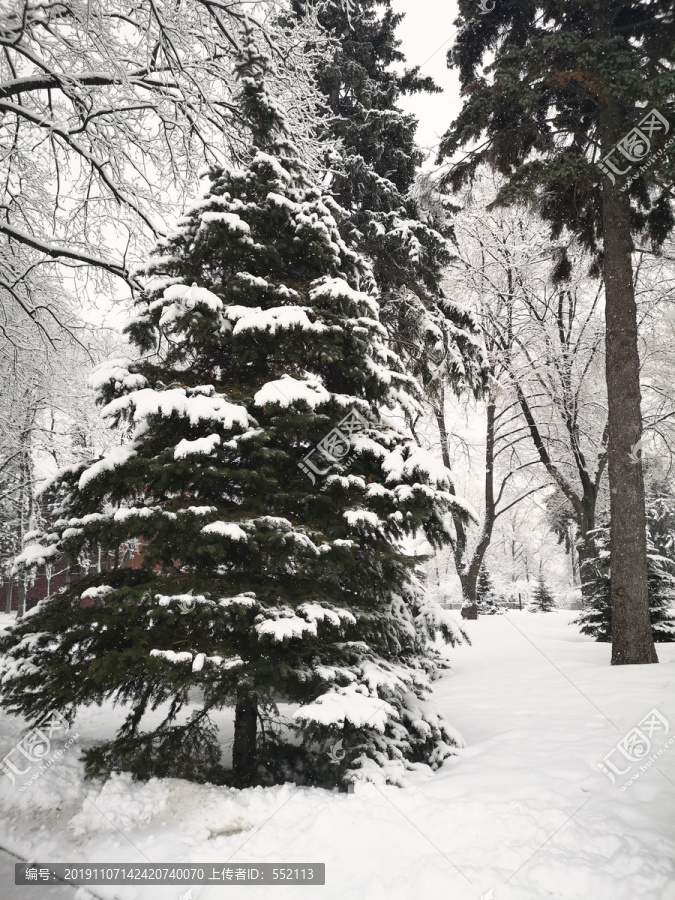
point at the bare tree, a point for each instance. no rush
(547, 342)
(47, 420)
(20, 404)
(654, 291)
(108, 110)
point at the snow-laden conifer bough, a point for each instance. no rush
(259, 332)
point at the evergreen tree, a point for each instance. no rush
(375, 178)
(542, 598)
(566, 100)
(398, 220)
(257, 587)
(486, 598)
(661, 567)
(596, 617)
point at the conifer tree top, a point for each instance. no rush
(258, 108)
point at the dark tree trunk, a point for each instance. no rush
(632, 640)
(574, 560)
(469, 574)
(245, 733)
(21, 610)
(469, 580)
(460, 529)
(587, 556)
(585, 515)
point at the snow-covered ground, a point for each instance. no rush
(523, 813)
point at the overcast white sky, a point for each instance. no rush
(426, 34)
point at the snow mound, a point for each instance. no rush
(120, 804)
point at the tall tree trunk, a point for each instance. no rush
(459, 548)
(587, 556)
(574, 562)
(245, 734)
(469, 574)
(21, 610)
(10, 587)
(587, 550)
(632, 640)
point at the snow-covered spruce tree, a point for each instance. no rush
(486, 598)
(397, 218)
(596, 616)
(375, 177)
(542, 598)
(258, 586)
